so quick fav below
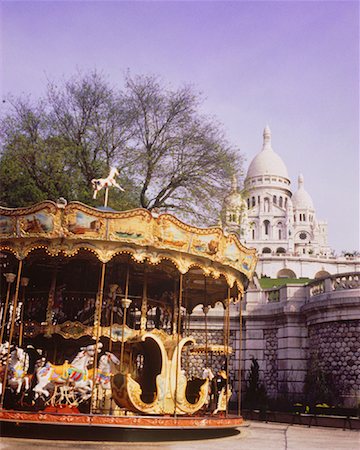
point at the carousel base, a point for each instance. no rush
(126, 422)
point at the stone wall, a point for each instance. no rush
(336, 348)
(305, 322)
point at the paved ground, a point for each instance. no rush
(256, 436)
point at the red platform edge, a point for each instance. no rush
(147, 422)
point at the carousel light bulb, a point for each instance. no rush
(10, 277)
(126, 302)
(24, 281)
(206, 309)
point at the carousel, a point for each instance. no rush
(96, 318)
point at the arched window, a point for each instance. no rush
(252, 201)
(274, 199)
(248, 203)
(266, 250)
(266, 204)
(286, 273)
(266, 227)
(280, 202)
(321, 274)
(279, 232)
(294, 218)
(280, 250)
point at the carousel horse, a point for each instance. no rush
(75, 374)
(108, 366)
(3, 357)
(100, 183)
(18, 368)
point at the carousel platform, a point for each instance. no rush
(126, 422)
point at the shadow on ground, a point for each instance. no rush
(61, 432)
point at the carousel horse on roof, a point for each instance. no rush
(100, 183)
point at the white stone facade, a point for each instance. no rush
(281, 225)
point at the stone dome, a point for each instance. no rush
(301, 199)
(267, 162)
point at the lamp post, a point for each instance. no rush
(10, 278)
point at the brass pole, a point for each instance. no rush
(50, 304)
(125, 306)
(240, 355)
(16, 296)
(3, 326)
(227, 349)
(144, 302)
(206, 310)
(97, 325)
(113, 289)
(178, 357)
(24, 282)
(106, 196)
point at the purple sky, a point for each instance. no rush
(294, 65)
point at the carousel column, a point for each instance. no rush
(206, 310)
(24, 282)
(97, 327)
(240, 355)
(178, 356)
(113, 288)
(10, 278)
(12, 327)
(227, 330)
(125, 303)
(50, 303)
(144, 302)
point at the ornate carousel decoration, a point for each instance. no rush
(96, 311)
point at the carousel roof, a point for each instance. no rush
(66, 229)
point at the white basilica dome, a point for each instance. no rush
(267, 162)
(301, 199)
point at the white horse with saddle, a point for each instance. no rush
(100, 183)
(74, 375)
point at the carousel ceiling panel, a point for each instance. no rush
(68, 229)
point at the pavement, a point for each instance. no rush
(254, 436)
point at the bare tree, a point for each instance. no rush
(181, 159)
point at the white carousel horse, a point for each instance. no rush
(75, 374)
(100, 183)
(3, 357)
(18, 367)
(108, 366)
(73, 395)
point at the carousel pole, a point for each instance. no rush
(125, 302)
(10, 278)
(227, 349)
(106, 196)
(12, 328)
(24, 282)
(178, 357)
(97, 326)
(144, 302)
(113, 288)
(240, 356)
(206, 310)
(50, 303)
